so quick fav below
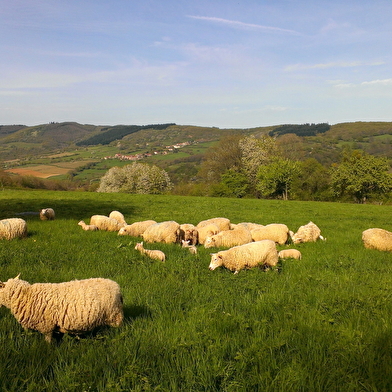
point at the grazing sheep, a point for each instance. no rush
(13, 228)
(378, 239)
(207, 231)
(103, 222)
(307, 233)
(277, 232)
(222, 223)
(136, 229)
(153, 254)
(47, 214)
(87, 227)
(228, 238)
(290, 254)
(188, 232)
(118, 216)
(166, 232)
(192, 248)
(246, 256)
(77, 306)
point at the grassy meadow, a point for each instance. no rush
(323, 323)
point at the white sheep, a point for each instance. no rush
(188, 232)
(166, 232)
(222, 223)
(186, 244)
(277, 232)
(118, 216)
(228, 238)
(136, 229)
(207, 231)
(47, 214)
(87, 227)
(103, 222)
(307, 233)
(250, 225)
(250, 255)
(151, 253)
(56, 308)
(290, 254)
(13, 228)
(378, 239)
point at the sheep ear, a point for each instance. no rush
(2, 285)
(17, 277)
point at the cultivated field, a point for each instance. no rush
(320, 324)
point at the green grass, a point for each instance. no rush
(319, 324)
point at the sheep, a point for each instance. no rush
(103, 222)
(188, 232)
(136, 229)
(246, 256)
(378, 239)
(87, 227)
(277, 232)
(47, 214)
(207, 231)
(290, 254)
(166, 232)
(53, 309)
(250, 225)
(307, 233)
(13, 228)
(186, 244)
(118, 216)
(222, 223)
(153, 254)
(228, 238)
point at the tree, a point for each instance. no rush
(233, 184)
(135, 178)
(361, 175)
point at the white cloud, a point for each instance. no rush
(333, 64)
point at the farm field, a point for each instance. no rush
(323, 323)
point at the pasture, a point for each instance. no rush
(323, 323)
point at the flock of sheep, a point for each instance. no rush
(81, 305)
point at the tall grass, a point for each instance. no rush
(319, 324)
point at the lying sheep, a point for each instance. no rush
(103, 222)
(228, 238)
(57, 308)
(222, 223)
(166, 232)
(13, 228)
(87, 227)
(290, 254)
(186, 244)
(307, 233)
(250, 225)
(250, 255)
(47, 214)
(276, 232)
(153, 254)
(207, 231)
(118, 216)
(188, 232)
(378, 239)
(136, 229)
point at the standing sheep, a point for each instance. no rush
(166, 232)
(136, 229)
(246, 256)
(276, 232)
(77, 306)
(153, 254)
(307, 233)
(87, 227)
(103, 222)
(378, 239)
(118, 216)
(290, 254)
(47, 214)
(13, 228)
(228, 238)
(222, 223)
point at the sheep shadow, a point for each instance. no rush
(133, 312)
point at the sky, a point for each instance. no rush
(221, 63)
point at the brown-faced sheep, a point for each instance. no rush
(87, 227)
(250, 255)
(378, 239)
(207, 231)
(47, 214)
(307, 233)
(77, 306)
(188, 232)
(222, 223)
(136, 229)
(103, 222)
(166, 232)
(290, 254)
(276, 232)
(13, 228)
(228, 238)
(118, 216)
(151, 253)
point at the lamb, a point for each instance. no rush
(118, 216)
(136, 229)
(378, 239)
(207, 231)
(47, 214)
(277, 232)
(166, 232)
(103, 222)
(228, 238)
(186, 244)
(307, 233)
(153, 254)
(87, 227)
(188, 232)
(53, 309)
(222, 223)
(290, 254)
(13, 228)
(250, 255)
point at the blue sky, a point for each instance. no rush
(223, 63)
